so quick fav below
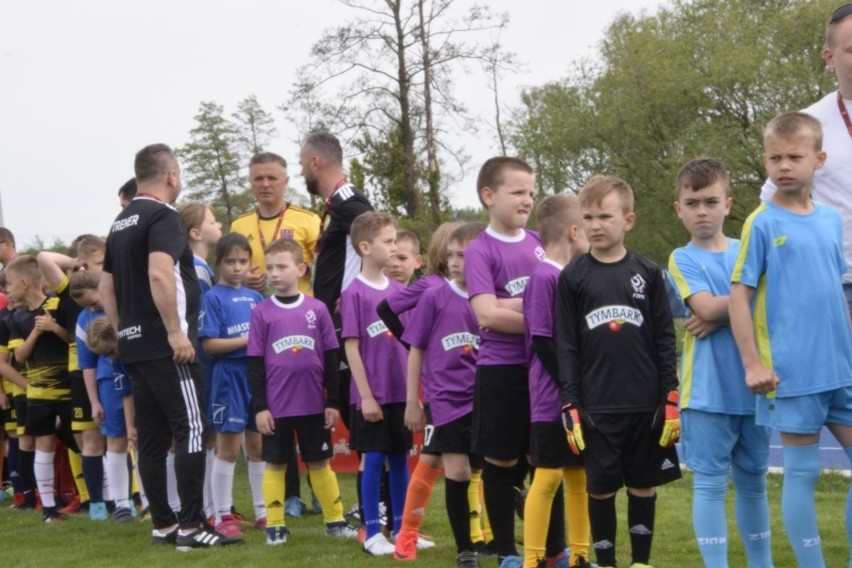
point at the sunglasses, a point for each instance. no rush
(841, 13)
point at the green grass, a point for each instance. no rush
(79, 542)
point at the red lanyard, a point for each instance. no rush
(326, 210)
(277, 227)
(844, 113)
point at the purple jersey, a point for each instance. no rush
(501, 265)
(383, 356)
(444, 326)
(403, 300)
(292, 339)
(539, 303)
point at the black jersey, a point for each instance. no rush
(47, 366)
(143, 227)
(615, 337)
(337, 262)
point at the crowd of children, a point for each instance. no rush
(549, 354)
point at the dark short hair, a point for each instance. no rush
(326, 145)
(266, 158)
(128, 190)
(79, 282)
(229, 242)
(493, 171)
(153, 161)
(467, 232)
(842, 13)
(701, 172)
(6, 235)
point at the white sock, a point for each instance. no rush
(255, 475)
(119, 476)
(171, 483)
(222, 484)
(209, 508)
(43, 469)
(107, 489)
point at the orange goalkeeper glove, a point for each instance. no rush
(573, 429)
(671, 421)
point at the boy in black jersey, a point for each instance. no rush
(616, 353)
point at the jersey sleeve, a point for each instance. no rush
(665, 352)
(751, 262)
(477, 271)
(165, 224)
(419, 329)
(688, 276)
(567, 340)
(326, 328)
(86, 358)
(257, 334)
(210, 323)
(351, 324)
(539, 305)
(351, 208)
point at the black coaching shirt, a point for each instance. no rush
(145, 226)
(614, 335)
(337, 262)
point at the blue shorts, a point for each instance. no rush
(229, 408)
(712, 442)
(806, 414)
(111, 393)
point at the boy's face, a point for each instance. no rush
(93, 262)
(405, 262)
(90, 300)
(605, 223)
(383, 248)
(791, 162)
(510, 203)
(283, 271)
(455, 261)
(838, 56)
(703, 212)
(16, 287)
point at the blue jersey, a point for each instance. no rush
(226, 314)
(711, 371)
(86, 358)
(801, 321)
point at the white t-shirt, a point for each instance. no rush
(832, 182)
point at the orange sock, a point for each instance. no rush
(417, 496)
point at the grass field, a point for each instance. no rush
(79, 542)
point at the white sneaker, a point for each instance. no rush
(378, 545)
(423, 544)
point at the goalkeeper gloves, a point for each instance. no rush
(573, 429)
(671, 421)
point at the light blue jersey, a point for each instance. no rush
(226, 314)
(795, 263)
(711, 371)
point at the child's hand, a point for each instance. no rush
(761, 380)
(98, 414)
(132, 437)
(45, 322)
(265, 423)
(371, 410)
(331, 417)
(671, 421)
(573, 428)
(415, 420)
(700, 328)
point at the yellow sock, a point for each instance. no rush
(324, 482)
(537, 513)
(577, 513)
(487, 535)
(134, 480)
(475, 508)
(273, 495)
(76, 463)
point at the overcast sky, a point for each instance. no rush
(87, 83)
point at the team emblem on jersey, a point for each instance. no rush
(118, 382)
(539, 253)
(295, 343)
(614, 317)
(516, 287)
(218, 413)
(464, 340)
(311, 318)
(377, 328)
(286, 233)
(638, 283)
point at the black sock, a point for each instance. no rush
(602, 520)
(555, 542)
(521, 469)
(640, 519)
(26, 463)
(458, 513)
(499, 493)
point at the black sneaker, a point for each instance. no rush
(467, 559)
(161, 538)
(485, 550)
(582, 563)
(51, 515)
(204, 537)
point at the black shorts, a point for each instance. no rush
(314, 440)
(387, 435)
(622, 449)
(41, 417)
(353, 431)
(20, 403)
(501, 411)
(549, 446)
(450, 438)
(10, 417)
(80, 404)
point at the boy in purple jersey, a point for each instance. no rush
(444, 339)
(617, 369)
(377, 361)
(293, 365)
(223, 332)
(558, 219)
(407, 259)
(497, 266)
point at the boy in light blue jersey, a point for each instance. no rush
(788, 317)
(714, 397)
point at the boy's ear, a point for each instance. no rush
(629, 220)
(363, 247)
(821, 157)
(418, 261)
(487, 196)
(303, 268)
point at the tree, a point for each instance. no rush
(212, 164)
(391, 69)
(694, 78)
(255, 127)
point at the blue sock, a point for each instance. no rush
(801, 471)
(371, 479)
(398, 485)
(753, 517)
(849, 507)
(93, 474)
(12, 463)
(708, 518)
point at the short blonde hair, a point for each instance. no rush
(597, 188)
(366, 227)
(101, 336)
(286, 245)
(555, 215)
(793, 123)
